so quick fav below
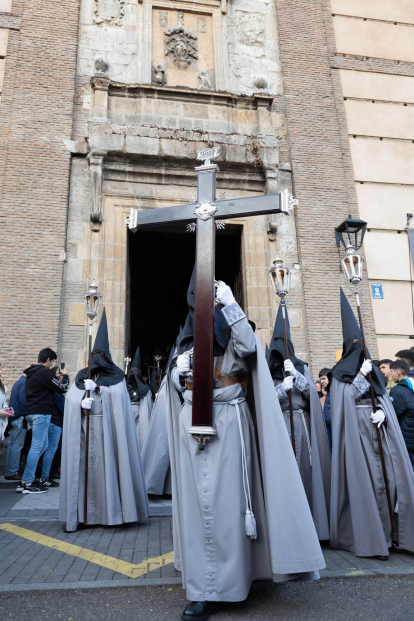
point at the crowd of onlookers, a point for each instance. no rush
(399, 382)
(33, 422)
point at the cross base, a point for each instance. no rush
(202, 434)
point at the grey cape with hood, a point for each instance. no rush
(156, 454)
(116, 486)
(313, 454)
(217, 559)
(360, 520)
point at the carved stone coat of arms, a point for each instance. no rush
(181, 46)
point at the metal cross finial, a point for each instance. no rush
(207, 155)
(288, 201)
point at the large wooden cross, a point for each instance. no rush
(207, 210)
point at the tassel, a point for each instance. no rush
(250, 524)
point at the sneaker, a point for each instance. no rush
(34, 489)
(49, 483)
(20, 487)
(55, 476)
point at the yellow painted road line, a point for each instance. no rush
(122, 567)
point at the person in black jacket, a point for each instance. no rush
(402, 397)
(54, 433)
(41, 386)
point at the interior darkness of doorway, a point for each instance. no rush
(160, 264)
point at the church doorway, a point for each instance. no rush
(160, 263)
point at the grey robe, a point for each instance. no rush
(156, 454)
(313, 454)
(217, 559)
(360, 520)
(142, 415)
(116, 487)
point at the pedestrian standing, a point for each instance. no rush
(4, 414)
(326, 403)
(385, 368)
(16, 429)
(408, 356)
(402, 397)
(41, 386)
(54, 433)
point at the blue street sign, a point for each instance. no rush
(377, 292)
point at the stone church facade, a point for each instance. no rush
(124, 96)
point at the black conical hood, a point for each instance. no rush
(137, 387)
(102, 340)
(136, 361)
(222, 331)
(276, 351)
(267, 352)
(353, 355)
(104, 371)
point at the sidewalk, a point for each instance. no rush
(36, 553)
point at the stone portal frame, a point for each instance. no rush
(214, 8)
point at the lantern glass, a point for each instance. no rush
(280, 278)
(352, 266)
(92, 302)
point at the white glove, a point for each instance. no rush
(89, 385)
(225, 294)
(366, 367)
(378, 417)
(87, 403)
(289, 366)
(288, 383)
(183, 364)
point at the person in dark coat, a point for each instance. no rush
(16, 429)
(402, 397)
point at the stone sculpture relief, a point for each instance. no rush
(101, 66)
(109, 11)
(204, 80)
(163, 19)
(180, 18)
(158, 74)
(201, 24)
(181, 46)
(250, 29)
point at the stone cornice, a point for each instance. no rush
(12, 22)
(374, 65)
(148, 91)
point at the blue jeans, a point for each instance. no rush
(329, 432)
(40, 427)
(53, 438)
(14, 446)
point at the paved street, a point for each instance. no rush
(376, 599)
(35, 552)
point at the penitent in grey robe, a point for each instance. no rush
(217, 559)
(142, 414)
(156, 454)
(116, 487)
(360, 520)
(313, 454)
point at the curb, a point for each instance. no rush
(98, 584)
(158, 582)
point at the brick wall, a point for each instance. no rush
(36, 114)
(322, 170)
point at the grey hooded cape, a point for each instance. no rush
(156, 454)
(142, 411)
(116, 486)
(313, 454)
(360, 520)
(217, 559)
